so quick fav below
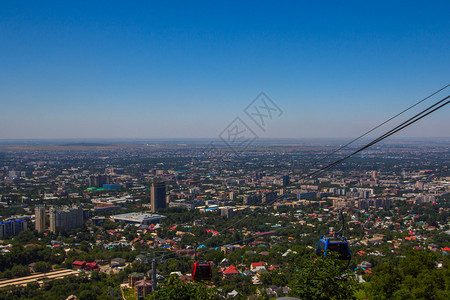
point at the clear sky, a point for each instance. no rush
(169, 69)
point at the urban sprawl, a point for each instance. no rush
(93, 221)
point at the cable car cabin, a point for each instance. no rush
(336, 244)
(201, 271)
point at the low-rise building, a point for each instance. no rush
(138, 218)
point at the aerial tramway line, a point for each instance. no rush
(337, 243)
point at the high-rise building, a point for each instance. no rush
(286, 180)
(66, 219)
(268, 197)
(250, 199)
(374, 175)
(39, 212)
(158, 195)
(420, 185)
(12, 227)
(99, 180)
(114, 171)
(227, 212)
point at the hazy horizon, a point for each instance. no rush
(215, 140)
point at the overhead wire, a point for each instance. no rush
(403, 125)
(379, 125)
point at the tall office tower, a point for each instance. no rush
(39, 211)
(286, 180)
(158, 195)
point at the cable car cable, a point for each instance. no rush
(405, 124)
(378, 126)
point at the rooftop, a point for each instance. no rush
(141, 218)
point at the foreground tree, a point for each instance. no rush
(323, 278)
(176, 289)
(417, 276)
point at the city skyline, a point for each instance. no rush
(150, 71)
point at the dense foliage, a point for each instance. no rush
(323, 278)
(176, 289)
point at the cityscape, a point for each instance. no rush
(110, 210)
(224, 150)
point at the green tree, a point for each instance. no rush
(176, 289)
(42, 267)
(386, 281)
(323, 278)
(416, 277)
(87, 295)
(20, 271)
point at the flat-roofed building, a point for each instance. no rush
(138, 218)
(183, 203)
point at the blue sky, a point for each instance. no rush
(169, 69)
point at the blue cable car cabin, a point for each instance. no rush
(336, 244)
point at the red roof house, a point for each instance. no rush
(79, 264)
(230, 272)
(92, 266)
(256, 264)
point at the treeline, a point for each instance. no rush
(15, 263)
(98, 286)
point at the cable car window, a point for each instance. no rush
(340, 248)
(321, 246)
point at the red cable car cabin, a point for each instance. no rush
(201, 271)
